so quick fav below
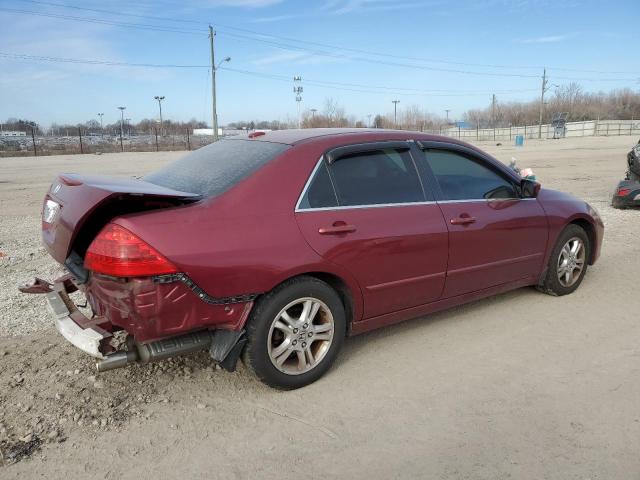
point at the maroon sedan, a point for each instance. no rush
(276, 246)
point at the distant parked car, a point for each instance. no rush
(275, 246)
(627, 192)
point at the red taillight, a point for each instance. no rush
(623, 192)
(118, 252)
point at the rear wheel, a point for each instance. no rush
(568, 262)
(295, 333)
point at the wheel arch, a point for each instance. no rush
(348, 297)
(590, 230)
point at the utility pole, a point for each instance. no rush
(101, 127)
(159, 99)
(493, 111)
(297, 89)
(214, 69)
(544, 89)
(447, 112)
(395, 112)
(122, 109)
(313, 117)
(214, 114)
(369, 121)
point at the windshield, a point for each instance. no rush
(212, 170)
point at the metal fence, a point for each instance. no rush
(589, 128)
(80, 143)
(60, 145)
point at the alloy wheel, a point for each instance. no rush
(300, 336)
(571, 262)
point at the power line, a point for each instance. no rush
(354, 87)
(139, 26)
(262, 40)
(345, 87)
(325, 45)
(21, 56)
(298, 48)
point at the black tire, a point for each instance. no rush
(260, 332)
(552, 284)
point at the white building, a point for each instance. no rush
(12, 133)
(205, 131)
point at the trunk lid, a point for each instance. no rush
(78, 206)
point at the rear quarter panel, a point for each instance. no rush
(246, 240)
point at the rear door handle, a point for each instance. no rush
(462, 220)
(337, 228)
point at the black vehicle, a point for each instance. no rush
(627, 193)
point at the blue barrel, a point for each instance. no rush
(519, 140)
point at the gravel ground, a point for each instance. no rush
(521, 385)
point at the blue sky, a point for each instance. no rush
(435, 54)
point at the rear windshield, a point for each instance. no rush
(212, 170)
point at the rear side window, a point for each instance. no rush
(212, 170)
(378, 177)
(461, 178)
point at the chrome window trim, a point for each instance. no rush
(382, 205)
(375, 205)
(478, 200)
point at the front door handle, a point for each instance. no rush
(462, 220)
(337, 228)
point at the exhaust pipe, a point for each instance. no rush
(116, 360)
(159, 350)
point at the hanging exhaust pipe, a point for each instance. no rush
(156, 351)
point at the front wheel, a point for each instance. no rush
(295, 333)
(568, 262)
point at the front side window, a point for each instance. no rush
(461, 178)
(377, 177)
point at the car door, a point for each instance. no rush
(365, 208)
(495, 236)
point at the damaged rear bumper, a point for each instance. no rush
(93, 336)
(82, 332)
(86, 339)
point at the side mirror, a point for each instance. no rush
(529, 188)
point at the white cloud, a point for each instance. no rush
(275, 18)
(243, 3)
(341, 7)
(298, 58)
(547, 39)
(279, 57)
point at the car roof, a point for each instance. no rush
(295, 136)
(332, 137)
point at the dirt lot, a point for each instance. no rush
(522, 385)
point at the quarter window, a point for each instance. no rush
(320, 192)
(461, 178)
(377, 177)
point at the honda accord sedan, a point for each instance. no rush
(273, 247)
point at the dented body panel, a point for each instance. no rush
(150, 310)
